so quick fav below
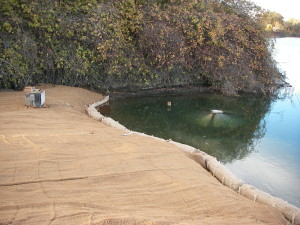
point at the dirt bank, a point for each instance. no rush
(58, 166)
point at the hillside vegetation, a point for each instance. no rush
(135, 44)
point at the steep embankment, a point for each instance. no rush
(58, 166)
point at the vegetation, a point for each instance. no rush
(135, 44)
(274, 22)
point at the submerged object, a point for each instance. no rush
(218, 118)
(215, 111)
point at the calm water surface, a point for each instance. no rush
(258, 138)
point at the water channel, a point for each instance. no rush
(257, 138)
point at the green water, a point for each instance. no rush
(257, 138)
(226, 136)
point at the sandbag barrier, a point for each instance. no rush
(93, 112)
(211, 164)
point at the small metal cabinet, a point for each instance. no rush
(35, 98)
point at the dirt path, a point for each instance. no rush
(58, 166)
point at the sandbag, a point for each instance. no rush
(193, 153)
(219, 171)
(184, 147)
(93, 112)
(150, 136)
(157, 138)
(112, 123)
(198, 157)
(211, 164)
(289, 211)
(103, 101)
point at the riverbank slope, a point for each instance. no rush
(58, 166)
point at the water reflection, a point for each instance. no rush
(228, 136)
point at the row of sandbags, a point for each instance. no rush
(93, 112)
(211, 164)
(228, 179)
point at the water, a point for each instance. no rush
(257, 138)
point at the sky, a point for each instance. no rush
(287, 8)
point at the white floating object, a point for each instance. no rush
(215, 111)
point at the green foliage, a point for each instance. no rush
(110, 44)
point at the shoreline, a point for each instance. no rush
(159, 91)
(182, 90)
(59, 166)
(280, 34)
(212, 165)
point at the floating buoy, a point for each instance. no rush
(215, 111)
(169, 104)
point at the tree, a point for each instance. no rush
(292, 27)
(273, 19)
